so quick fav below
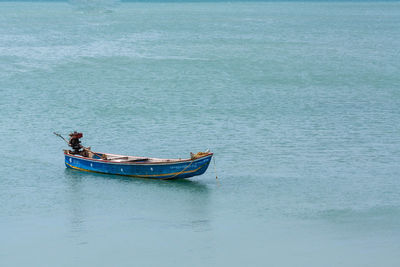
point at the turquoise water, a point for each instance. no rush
(299, 101)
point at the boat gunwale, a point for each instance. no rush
(176, 161)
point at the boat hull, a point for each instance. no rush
(153, 170)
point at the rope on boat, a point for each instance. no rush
(215, 169)
(179, 173)
(198, 155)
(181, 170)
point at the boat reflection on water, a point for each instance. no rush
(98, 200)
(185, 184)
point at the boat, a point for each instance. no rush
(140, 167)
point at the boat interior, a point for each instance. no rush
(121, 158)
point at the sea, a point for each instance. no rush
(299, 101)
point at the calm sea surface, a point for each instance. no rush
(299, 101)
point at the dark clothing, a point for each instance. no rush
(75, 143)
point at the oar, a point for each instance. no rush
(59, 135)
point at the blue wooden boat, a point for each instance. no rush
(140, 167)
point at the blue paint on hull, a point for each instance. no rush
(170, 170)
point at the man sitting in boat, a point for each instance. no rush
(75, 143)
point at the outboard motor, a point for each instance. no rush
(74, 142)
